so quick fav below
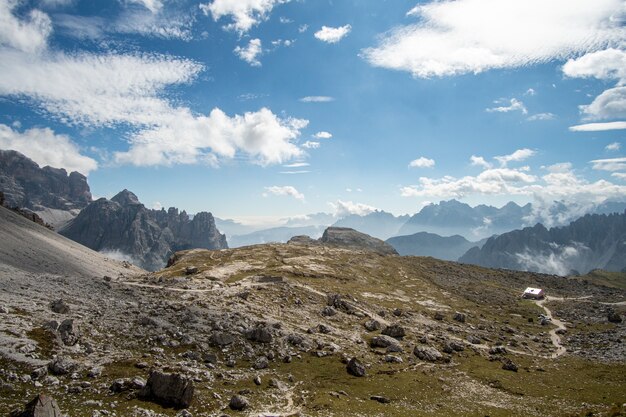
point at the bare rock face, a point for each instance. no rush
(169, 389)
(351, 239)
(145, 237)
(40, 406)
(26, 185)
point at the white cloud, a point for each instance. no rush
(303, 28)
(56, 3)
(332, 35)
(489, 182)
(619, 175)
(615, 146)
(323, 135)
(541, 116)
(244, 13)
(47, 148)
(294, 172)
(28, 35)
(345, 208)
(479, 161)
(422, 162)
(611, 164)
(250, 52)
(598, 127)
(609, 64)
(561, 167)
(517, 156)
(611, 104)
(186, 138)
(157, 205)
(311, 144)
(515, 105)
(530, 92)
(472, 36)
(287, 190)
(316, 99)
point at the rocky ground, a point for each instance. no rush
(305, 329)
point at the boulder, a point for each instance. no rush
(383, 341)
(460, 317)
(356, 368)
(238, 403)
(372, 325)
(427, 353)
(614, 317)
(62, 366)
(259, 334)
(508, 365)
(395, 331)
(40, 406)
(169, 389)
(221, 339)
(69, 332)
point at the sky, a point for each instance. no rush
(265, 109)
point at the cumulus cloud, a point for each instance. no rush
(609, 64)
(541, 117)
(244, 13)
(479, 161)
(286, 190)
(186, 138)
(619, 175)
(29, 34)
(422, 162)
(251, 52)
(611, 104)
(345, 208)
(47, 148)
(323, 135)
(615, 146)
(517, 156)
(332, 35)
(457, 37)
(514, 105)
(316, 99)
(598, 127)
(611, 164)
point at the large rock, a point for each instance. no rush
(427, 353)
(169, 389)
(147, 237)
(395, 331)
(40, 406)
(69, 332)
(356, 368)
(351, 239)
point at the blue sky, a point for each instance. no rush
(270, 108)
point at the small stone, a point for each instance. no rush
(190, 270)
(474, 340)
(427, 353)
(238, 403)
(356, 368)
(61, 366)
(380, 399)
(257, 380)
(328, 311)
(395, 331)
(460, 317)
(59, 306)
(508, 365)
(372, 325)
(614, 317)
(261, 363)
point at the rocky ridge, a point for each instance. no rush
(52, 193)
(125, 228)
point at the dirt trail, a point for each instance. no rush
(554, 337)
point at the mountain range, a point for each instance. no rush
(430, 244)
(595, 241)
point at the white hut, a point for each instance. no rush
(533, 293)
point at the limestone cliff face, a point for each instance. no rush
(26, 185)
(595, 241)
(125, 227)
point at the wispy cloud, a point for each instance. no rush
(598, 127)
(615, 146)
(517, 156)
(316, 99)
(323, 135)
(541, 117)
(344, 208)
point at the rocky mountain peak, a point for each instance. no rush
(126, 198)
(350, 238)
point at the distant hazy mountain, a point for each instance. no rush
(274, 235)
(430, 244)
(595, 241)
(379, 224)
(455, 218)
(125, 228)
(231, 227)
(52, 193)
(314, 219)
